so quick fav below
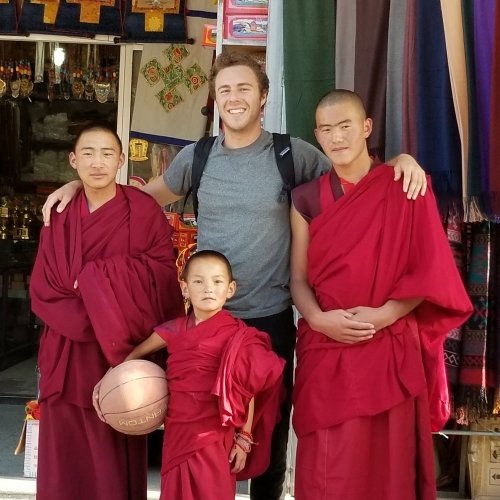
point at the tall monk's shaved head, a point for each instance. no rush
(341, 96)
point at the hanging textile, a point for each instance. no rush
(309, 53)
(155, 21)
(455, 51)
(394, 97)
(439, 150)
(453, 342)
(409, 133)
(484, 20)
(370, 67)
(474, 209)
(472, 399)
(172, 88)
(89, 17)
(495, 119)
(38, 16)
(8, 20)
(345, 44)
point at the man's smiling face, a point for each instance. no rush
(238, 98)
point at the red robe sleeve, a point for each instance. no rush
(250, 369)
(125, 296)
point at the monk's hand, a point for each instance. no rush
(339, 325)
(63, 195)
(414, 180)
(377, 316)
(239, 457)
(95, 401)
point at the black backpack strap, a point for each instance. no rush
(284, 161)
(201, 152)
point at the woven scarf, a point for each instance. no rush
(495, 118)
(455, 52)
(472, 397)
(453, 342)
(484, 20)
(439, 149)
(345, 44)
(395, 50)
(370, 67)
(309, 58)
(409, 122)
(474, 208)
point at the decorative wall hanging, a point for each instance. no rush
(173, 87)
(155, 21)
(38, 16)
(8, 22)
(90, 17)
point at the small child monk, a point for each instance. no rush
(224, 381)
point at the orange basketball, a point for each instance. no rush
(133, 397)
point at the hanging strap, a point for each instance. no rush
(201, 152)
(284, 161)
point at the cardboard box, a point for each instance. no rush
(245, 27)
(28, 442)
(484, 461)
(246, 6)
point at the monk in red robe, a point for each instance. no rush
(104, 276)
(375, 281)
(224, 382)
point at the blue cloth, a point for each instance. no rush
(439, 147)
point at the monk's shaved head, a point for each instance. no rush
(341, 96)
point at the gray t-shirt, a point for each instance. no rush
(240, 216)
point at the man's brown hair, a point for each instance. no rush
(230, 59)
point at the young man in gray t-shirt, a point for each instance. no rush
(241, 217)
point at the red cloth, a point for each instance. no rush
(122, 257)
(366, 457)
(370, 246)
(81, 457)
(213, 370)
(494, 170)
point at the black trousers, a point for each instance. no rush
(282, 331)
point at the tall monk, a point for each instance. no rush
(104, 276)
(224, 381)
(376, 283)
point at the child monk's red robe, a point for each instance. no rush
(214, 369)
(363, 412)
(122, 258)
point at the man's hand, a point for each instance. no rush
(377, 316)
(414, 180)
(239, 457)
(341, 326)
(64, 195)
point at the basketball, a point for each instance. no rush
(133, 397)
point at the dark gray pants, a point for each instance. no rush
(282, 331)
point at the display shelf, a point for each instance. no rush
(244, 43)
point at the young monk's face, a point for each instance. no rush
(97, 159)
(238, 98)
(342, 131)
(208, 286)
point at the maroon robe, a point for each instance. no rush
(359, 408)
(122, 257)
(214, 369)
